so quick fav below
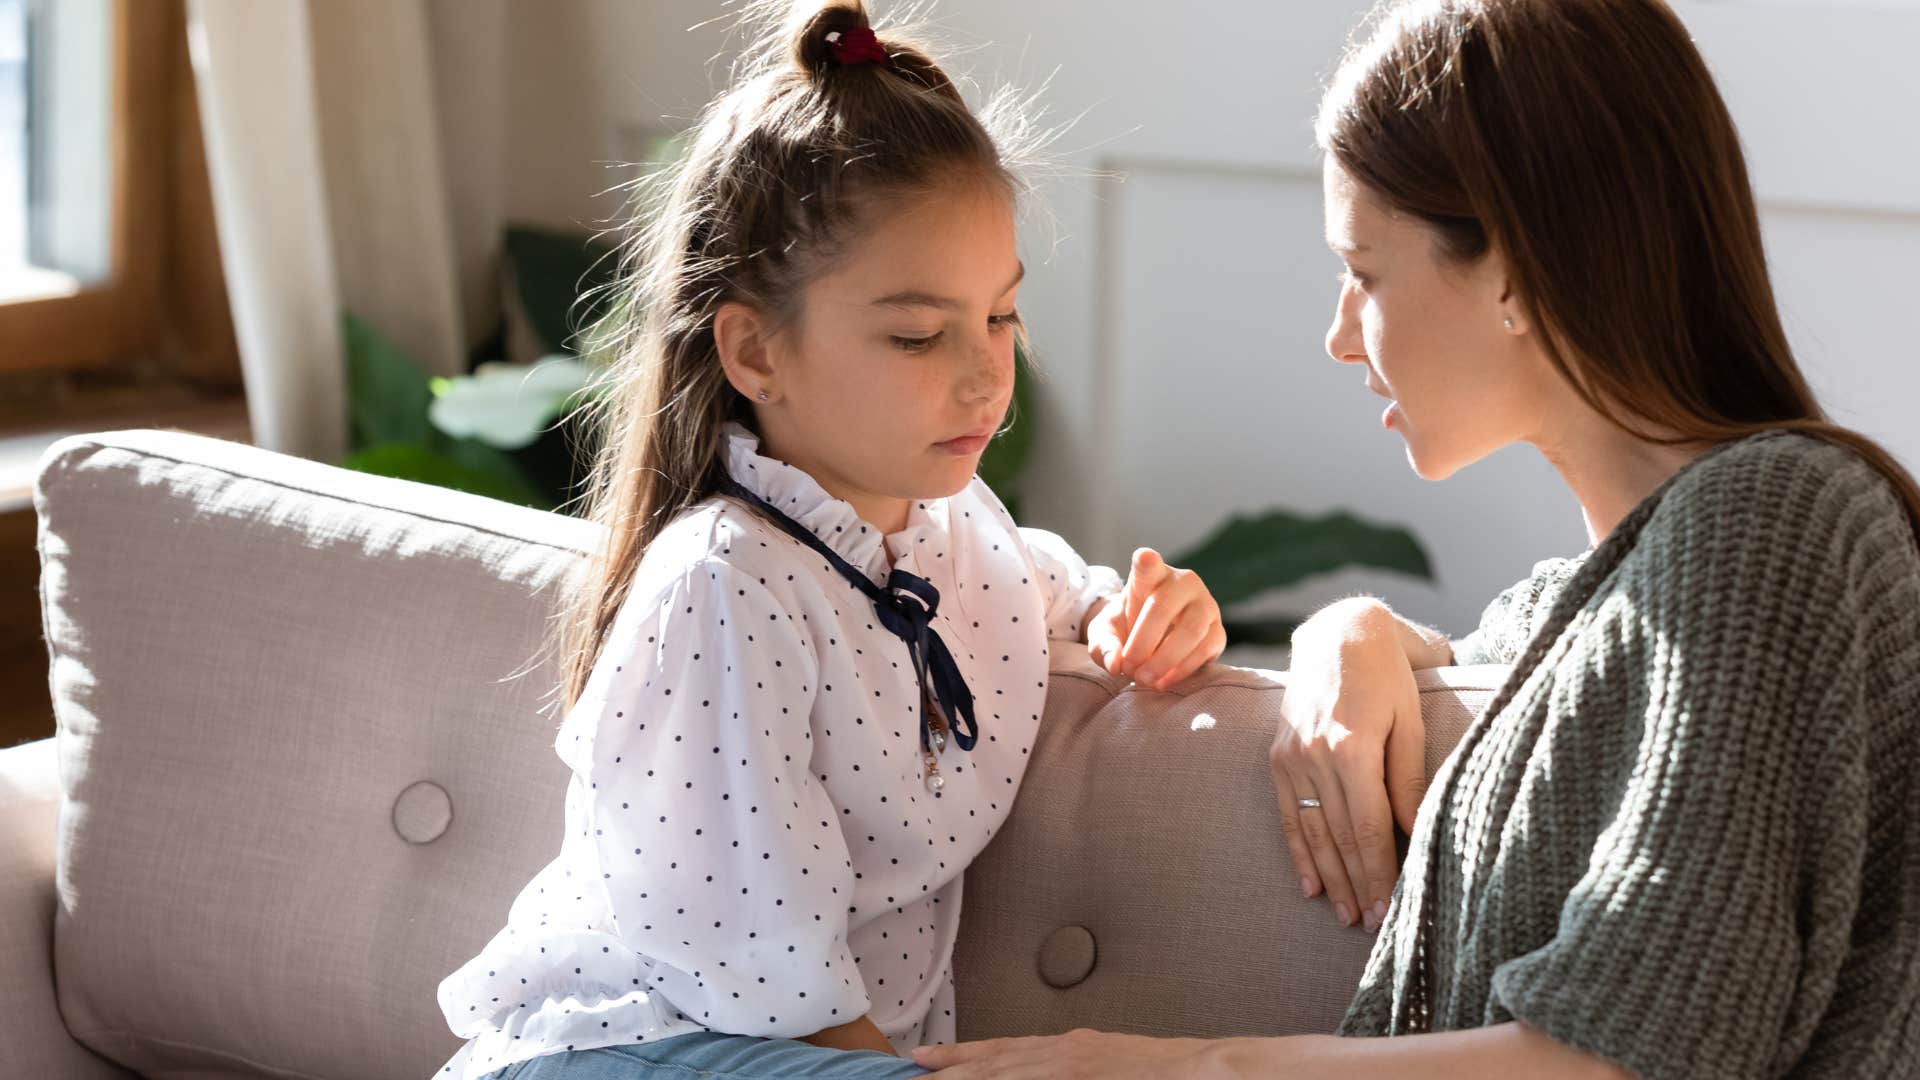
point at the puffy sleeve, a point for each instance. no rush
(1507, 623)
(720, 851)
(1071, 587)
(1707, 934)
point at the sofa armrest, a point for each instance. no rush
(35, 1038)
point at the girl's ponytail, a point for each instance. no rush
(827, 114)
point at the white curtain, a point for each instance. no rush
(330, 166)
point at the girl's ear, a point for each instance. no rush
(743, 338)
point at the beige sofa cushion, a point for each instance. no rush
(305, 772)
(1144, 872)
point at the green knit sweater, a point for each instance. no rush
(1685, 836)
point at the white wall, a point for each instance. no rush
(1180, 308)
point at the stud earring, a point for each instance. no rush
(1509, 324)
(763, 396)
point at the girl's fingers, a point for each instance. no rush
(1183, 639)
(1297, 847)
(1106, 636)
(1163, 608)
(1209, 650)
(1149, 570)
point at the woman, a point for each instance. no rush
(1683, 839)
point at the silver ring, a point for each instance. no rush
(1309, 804)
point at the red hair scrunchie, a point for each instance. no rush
(857, 46)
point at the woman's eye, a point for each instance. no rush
(915, 345)
(1001, 322)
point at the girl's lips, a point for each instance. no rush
(966, 445)
(1393, 413)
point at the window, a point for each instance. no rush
(108, 263)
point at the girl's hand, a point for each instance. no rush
(1350, 724)
(1075, 1055)
(1161, 628)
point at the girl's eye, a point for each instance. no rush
(1001, 322)
(916, 345)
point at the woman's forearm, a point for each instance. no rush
(1510, 1049)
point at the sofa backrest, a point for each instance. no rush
(305, 769)
(1142, 883)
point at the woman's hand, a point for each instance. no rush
(1351, 736)
(1077, 1054)
(1161, 628)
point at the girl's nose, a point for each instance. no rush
(988, 373)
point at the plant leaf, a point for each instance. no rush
(1248, 556)
(1006, 456)
(387, 393)
(469, 467)
(508, 405)
(552, 271)
(1277, 630)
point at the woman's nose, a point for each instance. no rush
(1344, 340)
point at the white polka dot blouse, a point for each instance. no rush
(751, 845)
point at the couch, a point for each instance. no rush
(304, 761)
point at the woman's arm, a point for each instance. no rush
(1351, 736)
(1511, 1049)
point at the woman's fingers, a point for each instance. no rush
(1336, 822)
(1364, 794)
(1297, 847)
(1407, 761)
(1323, 855)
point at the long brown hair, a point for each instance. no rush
(1586, 141)
(772, 182)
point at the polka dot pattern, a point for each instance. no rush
(750, 846)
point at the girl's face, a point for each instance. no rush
(899, 368)
(1432, 334)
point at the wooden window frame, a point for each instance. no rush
(105, 322)
(162, 310)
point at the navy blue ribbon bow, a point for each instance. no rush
(905, 608)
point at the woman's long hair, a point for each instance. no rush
(1586, 141)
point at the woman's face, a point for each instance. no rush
(1432, 334)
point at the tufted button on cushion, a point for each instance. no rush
(422, 812)
(1067, 956)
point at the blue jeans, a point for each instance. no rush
(706, 1054)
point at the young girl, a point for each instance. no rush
(815, 647)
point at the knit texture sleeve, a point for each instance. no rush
(1709, 931)
(1508, 622)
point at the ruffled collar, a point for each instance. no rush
(917, 547)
